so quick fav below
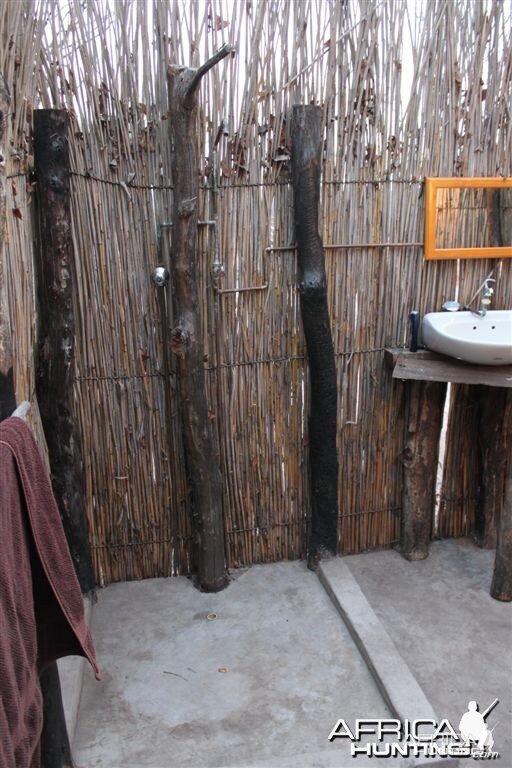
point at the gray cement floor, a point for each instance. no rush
(262, 684)
(454, 637)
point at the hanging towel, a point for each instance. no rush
(41, 606)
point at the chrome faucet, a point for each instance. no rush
(485, 301)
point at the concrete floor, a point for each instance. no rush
(262, 684)
(454, 637)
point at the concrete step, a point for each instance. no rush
(397, 684)
(71, 673)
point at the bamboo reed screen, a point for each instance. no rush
(408, 90)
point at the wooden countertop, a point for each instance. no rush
(424, 365)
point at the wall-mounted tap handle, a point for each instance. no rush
(484, 287)
(160, 276)
(488, 289)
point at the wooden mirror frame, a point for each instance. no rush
(431, 187)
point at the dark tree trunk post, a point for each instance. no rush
(490, 403)
(7, 399)
(201, 457)
(55, 747)
(306, 135)
(420, 458)
(54, 382)
(56, 353)
(501, 588)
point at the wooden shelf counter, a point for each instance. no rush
(425, 365)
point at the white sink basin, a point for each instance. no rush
(469, 337)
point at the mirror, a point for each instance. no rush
(468, 218)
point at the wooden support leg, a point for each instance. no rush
(420, 462)
(491, 403)
(501, 588)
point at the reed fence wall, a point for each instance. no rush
(409, 90)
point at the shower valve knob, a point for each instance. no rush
(160, 276)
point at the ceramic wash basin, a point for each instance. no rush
(483, 340)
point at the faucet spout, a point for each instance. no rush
(485, 301)
(487, 290)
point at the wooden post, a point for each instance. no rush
(490, 403)
(56, 353)
(420, 462)
(201, 457)
(501, 588)
(7, 398)
(306, 134)
(55, 746)
(54, 384)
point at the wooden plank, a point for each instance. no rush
(429, 366)
(391, 355)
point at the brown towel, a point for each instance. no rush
(41, 606)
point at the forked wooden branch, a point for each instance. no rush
(204, 68)
(206, 482)
(198, 74)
